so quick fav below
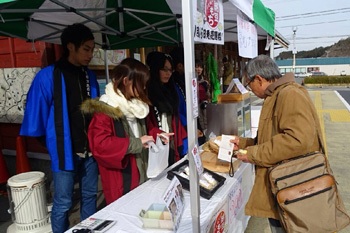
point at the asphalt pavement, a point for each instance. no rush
(334, 113)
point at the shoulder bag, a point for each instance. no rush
(307, 196)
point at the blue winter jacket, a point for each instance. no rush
(183, 118)
(39, 115)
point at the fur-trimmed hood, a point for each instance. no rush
(92, 106)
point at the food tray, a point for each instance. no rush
(206, 193)
(157, 216)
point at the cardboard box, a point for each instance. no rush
(232, 97)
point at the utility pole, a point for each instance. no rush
(294, 48)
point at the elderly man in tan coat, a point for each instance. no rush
(286, 129)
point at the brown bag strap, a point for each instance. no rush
(315, 116)
(318, 127)
(319, 136)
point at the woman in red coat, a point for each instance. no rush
(118, 133)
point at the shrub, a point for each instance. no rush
(327, 80)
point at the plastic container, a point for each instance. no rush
(157, 216)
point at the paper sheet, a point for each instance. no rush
(226, 148)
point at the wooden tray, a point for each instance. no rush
(232, 97)
(211, 162)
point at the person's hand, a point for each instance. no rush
(165, 137)
(242, 155)
(145, 139)
(235, 142)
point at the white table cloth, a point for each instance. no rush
(228, 202)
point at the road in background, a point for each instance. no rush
(346, 95)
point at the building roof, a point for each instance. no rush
(315, 61)
(281, 40)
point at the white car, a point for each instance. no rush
(343, 73)
(302, 75)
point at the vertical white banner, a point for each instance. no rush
(269, 41)
(247, 38)
(208, 21)
(194, 88)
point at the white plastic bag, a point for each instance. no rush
(158, 155)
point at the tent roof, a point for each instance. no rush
(126, 25)
(119, 24)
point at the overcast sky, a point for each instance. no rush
(317, 22)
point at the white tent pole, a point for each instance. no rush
(106, 65)
(272, 49)
(188, 42)
(105, 45)
(121, 17)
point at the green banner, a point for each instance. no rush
(212, 67)
(264, 17)
(6, 1)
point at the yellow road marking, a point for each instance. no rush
(320, 112)
(336, 115)
(339, 115)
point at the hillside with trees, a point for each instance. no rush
(339, 49)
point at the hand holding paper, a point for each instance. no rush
(235, 141)
(226, 147)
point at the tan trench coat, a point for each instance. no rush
(287, 128)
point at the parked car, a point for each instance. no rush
(343, 73)
(302, 75)
(318, 73)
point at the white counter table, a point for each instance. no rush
(228, 203)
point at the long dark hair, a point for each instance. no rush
(162, 95)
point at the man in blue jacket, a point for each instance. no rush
(177, 54)
(53, 113)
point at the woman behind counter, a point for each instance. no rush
(117, 133)
(203, 100)
(164, 110)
